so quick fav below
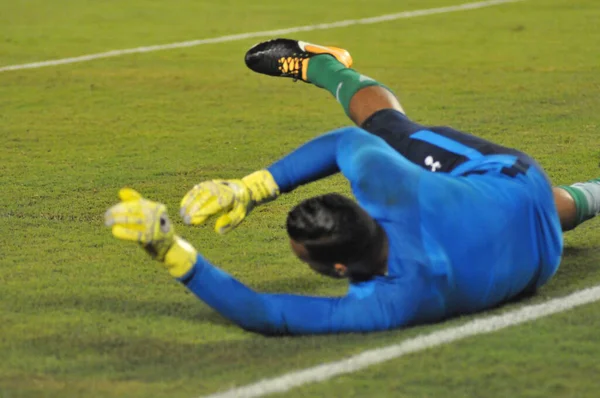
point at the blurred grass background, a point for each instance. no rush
(84, 315)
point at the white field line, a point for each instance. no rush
(266, 33)
(376, 356)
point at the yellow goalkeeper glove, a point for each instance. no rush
(147, 222)
(234, 198)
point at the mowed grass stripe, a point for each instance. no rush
(368, 358)
(267, 33)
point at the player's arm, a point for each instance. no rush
(370, 306)
(234, 199)
(359, 155)
(311, 162)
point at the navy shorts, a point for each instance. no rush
(444, 149)
(410, 139)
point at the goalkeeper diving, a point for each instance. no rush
(444, 223)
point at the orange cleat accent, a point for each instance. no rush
(314, 49)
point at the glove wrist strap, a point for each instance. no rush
(262, 186)
(180, 257)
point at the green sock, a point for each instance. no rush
(587, 198)
(327, 72)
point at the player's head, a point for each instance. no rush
(337, 238)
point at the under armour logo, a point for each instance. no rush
(430, 162)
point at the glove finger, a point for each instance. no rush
(195, 197)
(128, 194)
(229, 221)
(195, 220)
(125, 233)
(125, 219)
(223, 224)
(123, 209)
(187, 199)
(197, 214)
(214, 205)
(207, 204)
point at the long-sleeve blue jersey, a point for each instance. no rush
(459, 242)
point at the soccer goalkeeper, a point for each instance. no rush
(446, 223)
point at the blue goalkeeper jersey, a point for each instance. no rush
(459, 242)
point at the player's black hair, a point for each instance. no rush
(334, 229)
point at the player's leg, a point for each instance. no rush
(367, 102)
(577, 203)
(443, 149)
(565, 205)
(360, 96)
(376, 109)
(325, 67)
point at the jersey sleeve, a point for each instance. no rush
(366, 160)
(312, 161)
(379, 304)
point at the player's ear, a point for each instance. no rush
(341, 270)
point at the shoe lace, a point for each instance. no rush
(290, 65)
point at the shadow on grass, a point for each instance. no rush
(572, 252)
(578, 264)
(182, 305)
(148, 359)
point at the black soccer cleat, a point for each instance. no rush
(289, 58)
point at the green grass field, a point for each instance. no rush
(84, 315)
